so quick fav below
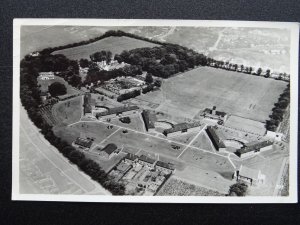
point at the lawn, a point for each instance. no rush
(240, 94)
(145, 142)
(203, 142)
(114, 44)
(68, 111)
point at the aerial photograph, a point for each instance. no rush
(154, 110)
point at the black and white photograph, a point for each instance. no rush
(164, 111)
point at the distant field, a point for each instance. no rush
(244, 95)
(114, 44)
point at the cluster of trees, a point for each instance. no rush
(125, 119)
(30, 98)
(163, 61)
(238, 189)
(128, 95)
(95, 75)
(279, 110)
(57, 88)
(101, 56)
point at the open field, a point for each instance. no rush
(175, 187)
(207, 161)
(68, 111)
(204, 178)
(114, 44)
(44, 170)
(231, 92)
(145, 142)
(203, 142)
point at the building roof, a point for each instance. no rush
(149, 119)
(248, 172)
(181, 126)
(110, 148)
(169, 166)
(146, 159)
(215, 137)
(118, 110)
(131, 156)
(83, 142)
(255, 145)
(218, 113)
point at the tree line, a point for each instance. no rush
(30, 98)
(163, 61)
(279, 109)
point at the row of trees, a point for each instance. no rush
(30, 98)
(279, 109)
(163, 61)
(128, 95)
(110, 33)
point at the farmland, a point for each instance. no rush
(235, 93)
(114, 44)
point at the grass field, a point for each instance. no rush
(236, 93)
(69, 111)
(114, 44)
(175, 187)
(147, 143)
(203, 142)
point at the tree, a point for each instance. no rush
(57, 88)
(258, 72)
(84, 63)
(157, 83)
(149, 78)
(238, 189)
(268, 71)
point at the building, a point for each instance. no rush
(83, 143)
(46, 76)
(164, 167)
(214, 114)
(252, 176)
(130, 158)
(107, 151)
(215, 138)
(118, 111)
(149, 120)
(147, 161)
(87, 100)
(252, 148)
(181, 128)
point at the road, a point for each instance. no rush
(43, 170)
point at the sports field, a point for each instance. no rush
(114, 44)
(240, 94)
(68, 111)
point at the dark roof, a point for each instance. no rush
(169, 166)
(83, 142)
(211, 131)
(218, 113)
(118, 110)
(87, 103)
(252, 146)
(149, 119)
(110, 148)
(146, 159)
(131, 156)
(181, 126)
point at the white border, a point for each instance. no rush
(294, 48)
